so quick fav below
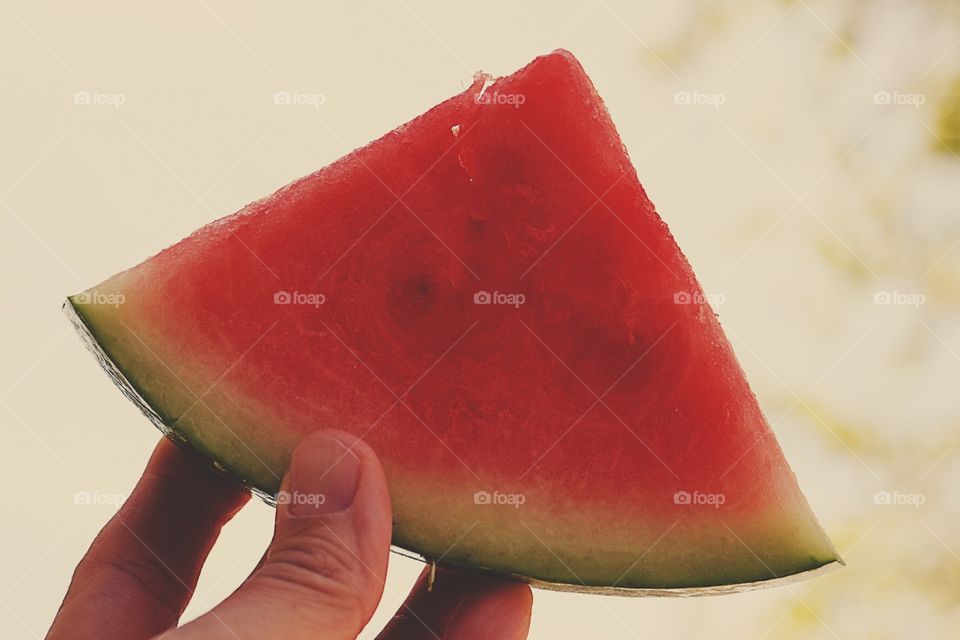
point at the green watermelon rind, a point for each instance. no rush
(140, 397)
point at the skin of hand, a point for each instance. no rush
(321, 577)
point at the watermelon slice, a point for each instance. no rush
(487, 296)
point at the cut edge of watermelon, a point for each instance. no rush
(139, 399)
(640, 592)
(686, 592)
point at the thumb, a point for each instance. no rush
(323, 574)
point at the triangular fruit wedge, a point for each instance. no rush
(487, 296)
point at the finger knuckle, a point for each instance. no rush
(139, 572)
(321, 568)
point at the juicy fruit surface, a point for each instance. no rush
(487, 296)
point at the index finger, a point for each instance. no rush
(140, 571)
(462, 605)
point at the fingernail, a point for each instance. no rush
(324, 474)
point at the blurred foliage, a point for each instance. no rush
(948, 120)
(888, 219)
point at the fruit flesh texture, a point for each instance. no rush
(597, 399)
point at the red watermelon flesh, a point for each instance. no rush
(487, 296)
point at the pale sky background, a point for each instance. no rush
(815, 174)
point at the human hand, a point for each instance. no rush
(321, 577)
